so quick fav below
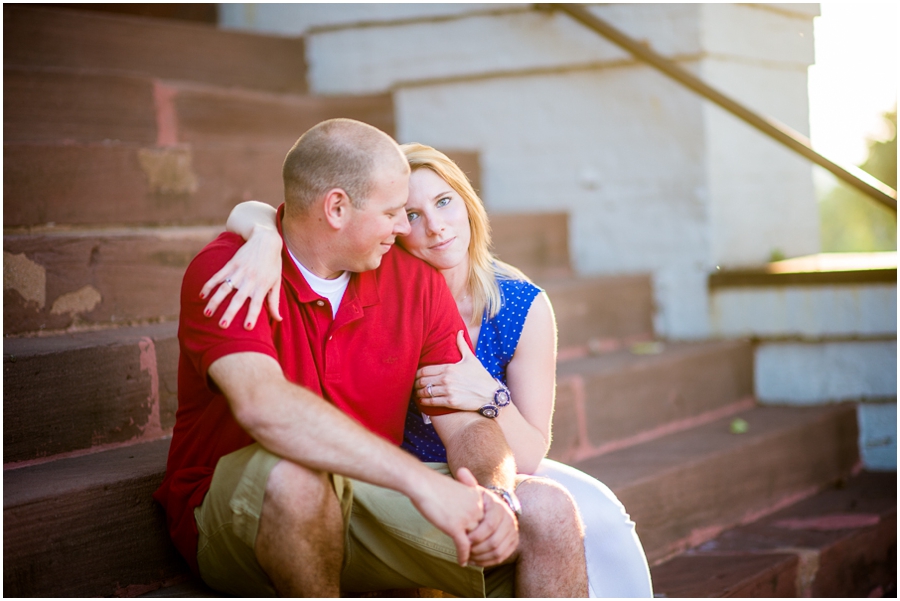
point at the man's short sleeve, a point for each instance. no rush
(440, 340)
(202, 340)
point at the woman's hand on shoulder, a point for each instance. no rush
(253, 273)
(465, 386)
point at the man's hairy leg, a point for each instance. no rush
(551, 543)
(300, 543)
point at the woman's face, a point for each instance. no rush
(438, 220)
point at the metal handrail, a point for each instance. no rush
(780, 132)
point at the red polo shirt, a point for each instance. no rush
(391, 321)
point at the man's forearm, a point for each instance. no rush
(297, 425)
(477, 443)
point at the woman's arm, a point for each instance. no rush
(531, 377)
(255, 270)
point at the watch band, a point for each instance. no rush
(509, 498)
(501, 399)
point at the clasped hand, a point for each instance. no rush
(465, 385)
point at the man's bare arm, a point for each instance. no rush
(299, 426)
(477, 443)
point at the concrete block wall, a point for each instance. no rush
(654, 178)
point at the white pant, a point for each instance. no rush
(616, 563)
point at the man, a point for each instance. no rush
(284, 474)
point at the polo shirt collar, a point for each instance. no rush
(362, 286)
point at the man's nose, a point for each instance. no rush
(402, 227)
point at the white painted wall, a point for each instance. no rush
(654, 178)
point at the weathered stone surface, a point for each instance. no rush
(589, 308)
(684, 489)
(87, 526)
(768, 575)
(621, 394)
(65, 107)
(102, 276)
(78, 40)
(73, 392)
(843, 541)
(536, 243)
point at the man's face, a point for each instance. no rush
(372, 230)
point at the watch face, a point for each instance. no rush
(501, 397)
(489, 411)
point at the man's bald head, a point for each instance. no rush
(338, 153)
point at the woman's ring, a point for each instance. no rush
(428, 389)
(228, 281)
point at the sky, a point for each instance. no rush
(854, 79)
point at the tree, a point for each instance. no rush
(853, 222)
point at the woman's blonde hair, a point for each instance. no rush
(484, 267)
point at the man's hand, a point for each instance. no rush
(497, 536)
(454, 506)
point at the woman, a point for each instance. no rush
(511, 324)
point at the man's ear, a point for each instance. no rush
(336, 206)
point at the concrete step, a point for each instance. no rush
(60, 106)
(597, 310)
(87, 526)
(536, 243)
(841, 542)
(621, 397)
(41, 37)
(125, 183)
(74, 392)
(59, 279)
(685, 488)
(56, 278)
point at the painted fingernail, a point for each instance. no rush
(208, 312)
(248, 325)
(223, 323)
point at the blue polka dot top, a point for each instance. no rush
(497, 342)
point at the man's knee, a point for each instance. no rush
(299, 492)
(548, 512)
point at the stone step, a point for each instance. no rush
(595, 310)
(536, 243)
(56, 278)
(40, 37)
(839, 543)
(685, 488)
(59, 279)
(87, 525)
(622, 396)
(125, 183)
(58, 106)
(73, 392)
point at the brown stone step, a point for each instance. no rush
(123, 183)
(72, 392)
(119, 183)
(59, 106)
(59, 279)
(40, 37)
(87, 526)
(606, 400)
(590, 309)
(839, 543)
(536, 243)
(684, 489)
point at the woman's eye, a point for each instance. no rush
(412, 216)
(443, 201)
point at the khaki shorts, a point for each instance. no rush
(387, 542)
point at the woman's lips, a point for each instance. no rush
(443, 245)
